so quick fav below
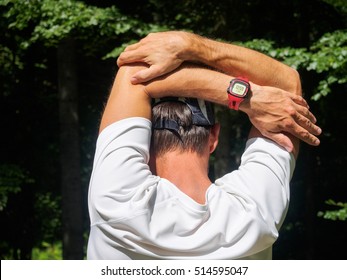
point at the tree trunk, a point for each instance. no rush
(72, 216)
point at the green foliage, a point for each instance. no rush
(48, 212)
(8, 60)
(51, 251)
(327, 56)
(50, 21)
(261, 45)
(144, 31)
(48, 251)
(12, 179)
(340, 5)
(336, 214)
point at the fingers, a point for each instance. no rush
(302, 129)
(146, 74)
(160, 51)
(307, 114)
(303, 122)
(136, 52)
(132, 46)
(307, 137)
(130, 57)
(307, 131)
(299, 100)
(308, 121)
(303, 107)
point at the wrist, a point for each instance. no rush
(238, 91)
(186, 43)
(246, 105)
(194, 48)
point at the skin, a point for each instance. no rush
(186, 81)
(157, 66)
(164, 52)
(271, 110)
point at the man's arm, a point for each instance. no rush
(126, 100)
(280, 114)
(165, 51)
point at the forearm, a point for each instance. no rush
(190, 80)
(272, 110)
(240, 61)
(126, 100)
(165, 51)
(277, 108)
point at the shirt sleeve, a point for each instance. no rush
(263, 178)
(120, 167)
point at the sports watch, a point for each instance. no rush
(237, 92)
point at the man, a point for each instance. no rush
(172, 210)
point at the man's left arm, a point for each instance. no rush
(165, 51)
(276, 118)
(126, 100)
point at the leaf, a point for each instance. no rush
(339, 214)
(12, 179)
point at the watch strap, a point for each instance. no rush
(234, 101)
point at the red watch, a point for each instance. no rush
(237, 92)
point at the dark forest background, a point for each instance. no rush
(58, 61)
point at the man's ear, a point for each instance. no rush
(214, 137)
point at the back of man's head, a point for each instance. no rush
(181, 124)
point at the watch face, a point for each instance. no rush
(239, 88)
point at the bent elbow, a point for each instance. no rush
(295, 82)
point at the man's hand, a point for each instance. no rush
(160, 51)
(277, 113)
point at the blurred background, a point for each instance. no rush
(58, 61)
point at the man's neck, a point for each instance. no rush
(188, 171)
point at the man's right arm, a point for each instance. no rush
(240, 61)
(203, 83)
(165, 51)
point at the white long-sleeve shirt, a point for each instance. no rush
(137, 215)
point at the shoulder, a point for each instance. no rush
(264, 166)
(266, 152)
(125, 128)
